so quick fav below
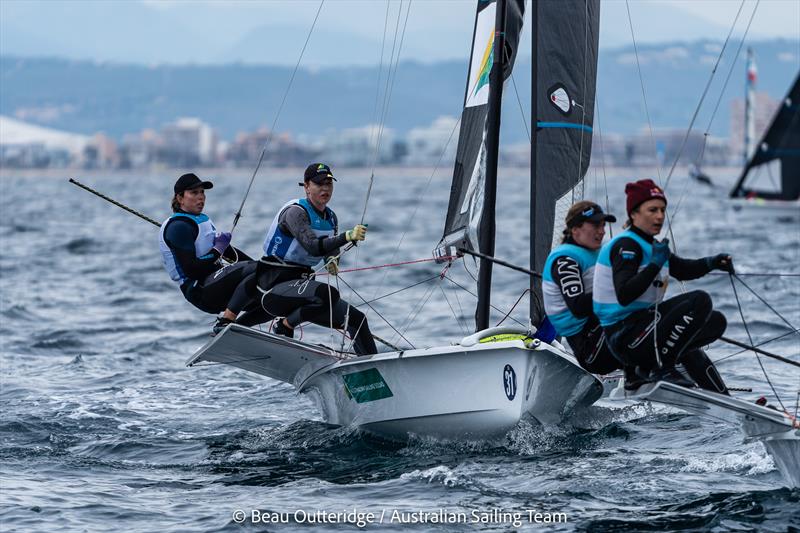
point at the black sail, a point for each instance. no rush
(778, 154)
(464, 212)
(565, 42)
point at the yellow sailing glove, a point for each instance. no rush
(332, 266)
(359, 233)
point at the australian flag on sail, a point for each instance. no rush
(467, 192)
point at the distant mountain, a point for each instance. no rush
(347, 32)
(86, 97)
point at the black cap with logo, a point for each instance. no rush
(190, 181)
(317, 172)
(587, 211)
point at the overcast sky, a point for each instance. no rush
(347, 32)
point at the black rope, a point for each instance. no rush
(513, 306)
(762, 343)
(750, 338)
(759, 350)
(759, 274)
(116, 203)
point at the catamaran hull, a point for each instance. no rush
(465, 394)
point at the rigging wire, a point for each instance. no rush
(417, 308)
(644, 95)
(458, 319)
(750, 338)
(451, 280)
(417, 205)
(521, 110)
(762, 343)
(271, 131)
(650, 124)
(603, 161)
(377, 313)
(703, 96)
(785, 321)
(719, 100)
(372, 130)
(391, 75)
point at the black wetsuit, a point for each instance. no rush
(209, 286)
(589, 344)
(288, 292)
(683, 324)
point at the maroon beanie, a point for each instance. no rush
(640, 191)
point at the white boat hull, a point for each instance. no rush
(761, 206)
(455, 393)
(459, 392)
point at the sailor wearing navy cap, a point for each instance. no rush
(191, 249)
(567, 287)
(303, 234)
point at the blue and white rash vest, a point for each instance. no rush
(604, 296)
(566, 323)
(284, 246)
(206, 232)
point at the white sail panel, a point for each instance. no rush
(482, 58)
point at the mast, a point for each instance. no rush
(487, 230)
(535, 310)
(749, 107)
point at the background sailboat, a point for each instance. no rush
(778, 156)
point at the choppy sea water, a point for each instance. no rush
(104, 427)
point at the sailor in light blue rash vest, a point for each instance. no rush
(567, 287)
(630, 280)
(304, 234)
(191, 248)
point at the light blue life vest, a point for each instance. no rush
(604, 297)
(203, 243)
(572, 280)
(284, 246)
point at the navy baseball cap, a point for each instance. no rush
(190, 181)
(317, 172)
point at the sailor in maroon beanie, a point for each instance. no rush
(630, 280)
(639, 192)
